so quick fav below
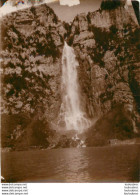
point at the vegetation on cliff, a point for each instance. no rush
(111, 4)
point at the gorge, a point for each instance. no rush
(102, 57)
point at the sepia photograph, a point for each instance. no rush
(70, 91)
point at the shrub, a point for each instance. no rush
(111, 4)
(113, 29)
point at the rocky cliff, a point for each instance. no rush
(107, 46)
(32, 45)
(32, 42)
(106, 43)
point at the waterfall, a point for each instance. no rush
(74, 118)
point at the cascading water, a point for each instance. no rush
(73, 116)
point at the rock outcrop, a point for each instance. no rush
(107, 45)
(32, 46)
(32, 43)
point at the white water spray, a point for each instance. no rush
(73, 116)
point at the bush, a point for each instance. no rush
(113, 29)
(111, 4)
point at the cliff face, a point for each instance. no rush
(32, 46)
(106, 44)
(32, 43)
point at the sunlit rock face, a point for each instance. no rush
(32, 49)
(32, 44)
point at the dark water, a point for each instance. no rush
(101, 164)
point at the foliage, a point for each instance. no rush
(103, 38)
(111, 4)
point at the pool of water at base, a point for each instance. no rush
(73, 165)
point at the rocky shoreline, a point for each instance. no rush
(76, 144)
